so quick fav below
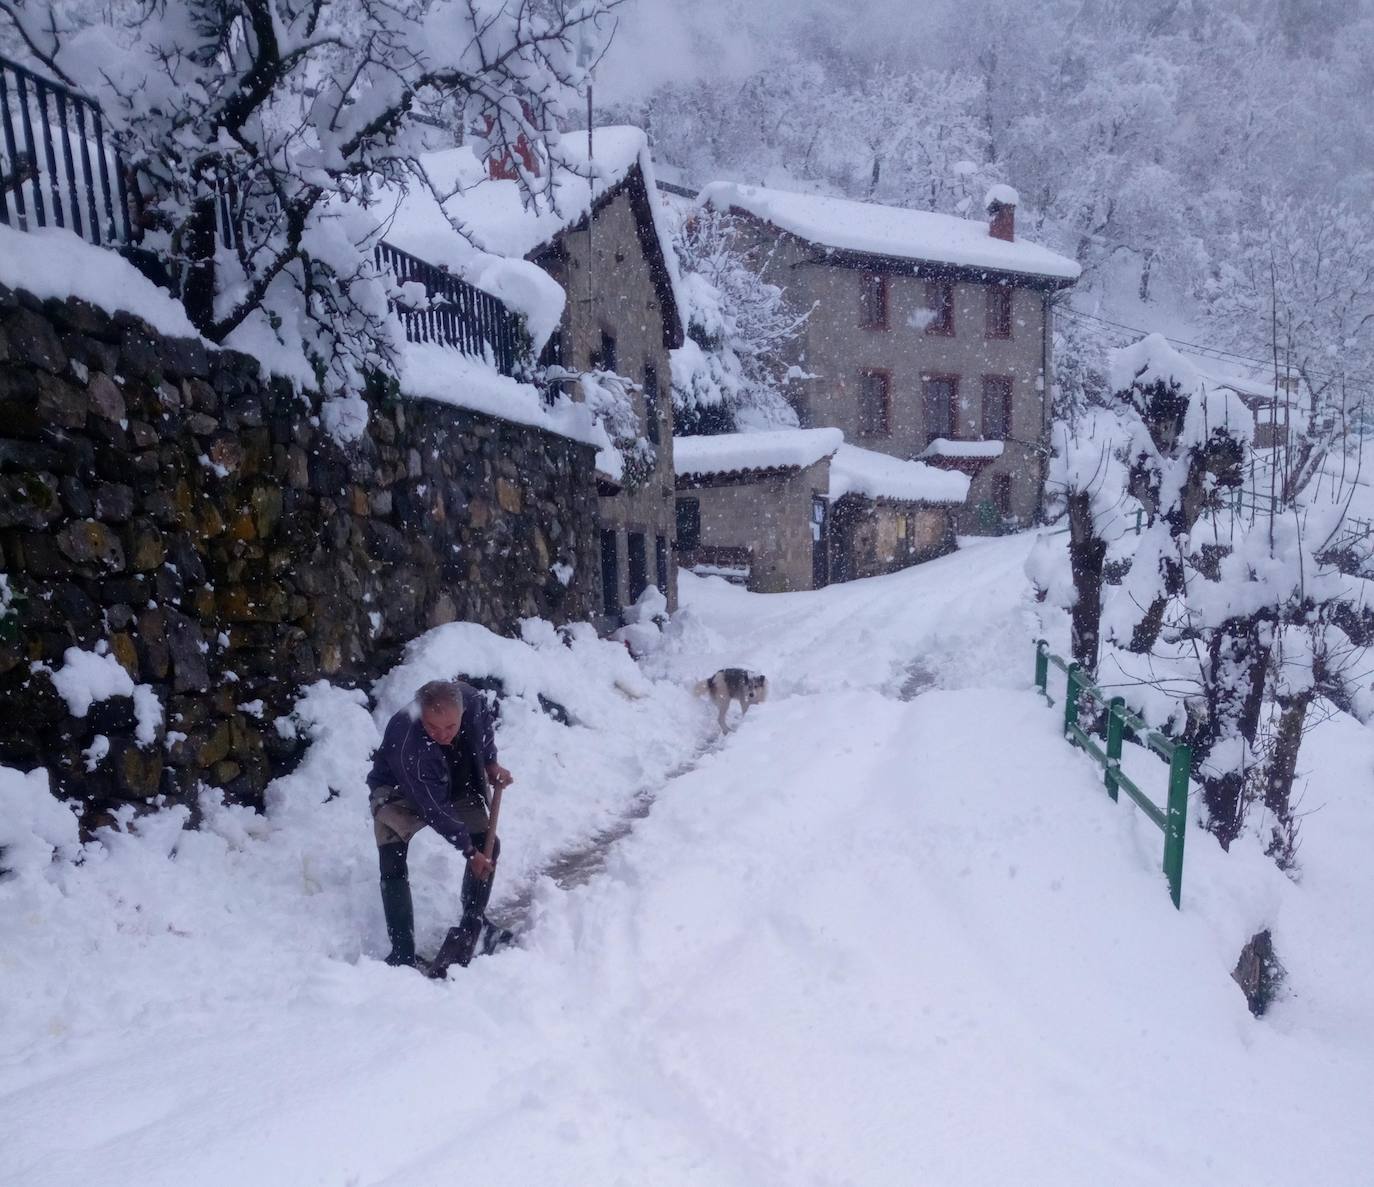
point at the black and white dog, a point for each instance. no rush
(733, 684)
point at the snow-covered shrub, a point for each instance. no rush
(732, 371)
(34, 827)
(645, 622)
(610, 399)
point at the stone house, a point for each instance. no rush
(929, 337)
(798, 509)
(598, 234)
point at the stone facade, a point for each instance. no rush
(782, 526)
(762, 518)
(842, 346)
(169, 502)
(870, 537)
(616, 294)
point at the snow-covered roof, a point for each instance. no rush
(852, 470)
(871, 229)
(501, 225)
(944, 447)
(880, 476)
(727, 453)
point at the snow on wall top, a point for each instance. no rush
(944, 447)
(433, 372)
(728, 452)
(501, 225)
(879, 476)
(846, 225)
(51, 262)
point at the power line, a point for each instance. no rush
(1205, 350)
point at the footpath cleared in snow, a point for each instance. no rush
(880, 936)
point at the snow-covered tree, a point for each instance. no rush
(732, 370)
(1232, 619)
(289, 114)
(1297, 288)
(1086, 483)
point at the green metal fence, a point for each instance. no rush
(1121, 723)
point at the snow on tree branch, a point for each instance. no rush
(732, 371)
(282, 118)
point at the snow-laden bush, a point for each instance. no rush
(732, 372)
(35, 827)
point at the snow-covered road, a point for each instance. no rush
(892, 932)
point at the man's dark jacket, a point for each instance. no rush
(444, 785)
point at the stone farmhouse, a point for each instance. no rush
(796, 509)
(604, 300)
(930, 335)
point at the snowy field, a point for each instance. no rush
(890, 931)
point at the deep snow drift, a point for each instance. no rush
(891, 931)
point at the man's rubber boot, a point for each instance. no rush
(458, 947)
(400, 921)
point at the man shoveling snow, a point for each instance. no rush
(434, 767)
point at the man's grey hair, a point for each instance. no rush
(440, 694)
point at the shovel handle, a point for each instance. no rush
(493, 814)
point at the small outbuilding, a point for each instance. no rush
(797, 509)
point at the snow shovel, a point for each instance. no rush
(493, 813)
(493, 936)
(459, 948)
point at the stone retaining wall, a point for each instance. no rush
(168, 502)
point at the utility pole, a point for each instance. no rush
(586, 55)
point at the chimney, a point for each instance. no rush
(1001, 204)
(500, 166)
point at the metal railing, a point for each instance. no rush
(1121, 724)
(57, 165)
(457, 314)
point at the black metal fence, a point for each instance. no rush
(457, 313)
(57, 165)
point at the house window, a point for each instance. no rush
(1001, 494)
(688, 524)
(873, 300)
(996, 407)
(651, 412)
(661, 562)
(639, 566)
(941, 392)
(610, 572)
(875, 404)
(940, 302)
(999, 311)
(604, 356)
